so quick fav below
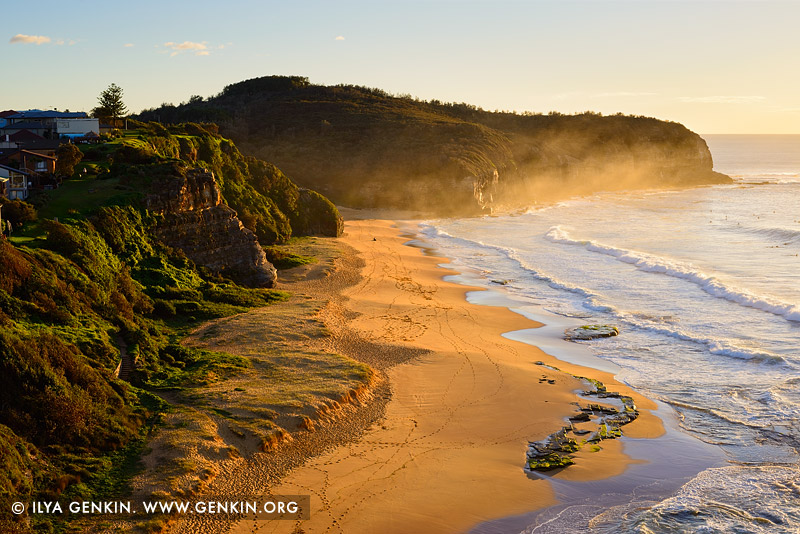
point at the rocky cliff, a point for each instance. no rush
(582, 155)
(361, 147)
(194, 219)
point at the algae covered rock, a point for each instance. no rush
(555, 451)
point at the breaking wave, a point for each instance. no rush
(708, 283)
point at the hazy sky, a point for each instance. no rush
(716, 66)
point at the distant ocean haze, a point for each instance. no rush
(775, 157)
(704, 284)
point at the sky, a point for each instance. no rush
(716, 66)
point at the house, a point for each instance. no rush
(34, 127)
(4, 114)
(17, 182)
(3, 187)
(45, 147)
(48, 121)
(29, 160)
(75, 128)
(22, 136)
(38, 170)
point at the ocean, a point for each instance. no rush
(704, 285)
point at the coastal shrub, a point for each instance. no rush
(208, 151)
(164, 309)
(166, 146)
(187, 149)
(177, 293)
(316, 215)
(266, 201)
(165, 270)
(124, 230)
(258, 212)
(17, 461)
(282, 260)
(33, 290)
(49, 395)
(14, 268)
(69, 156)
(135, 155)
(194, 129)
(17, 212)
(94, 285)
(93, 154)
(156, 129)
(81, 243)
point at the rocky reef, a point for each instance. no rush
(193, 218)
(597, 421)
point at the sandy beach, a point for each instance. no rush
(449, 451)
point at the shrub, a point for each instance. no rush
(69, 156)
(17, 212)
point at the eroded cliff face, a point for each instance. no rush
(195, 219)
(478, 171)
(545, 169)
(532, 169)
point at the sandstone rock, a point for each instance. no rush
(195, 220)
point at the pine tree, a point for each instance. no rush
(111, 106)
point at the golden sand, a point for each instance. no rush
(450, 451)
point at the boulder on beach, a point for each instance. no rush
(590, 331)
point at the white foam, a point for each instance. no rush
(709, 284)
(594, 303)
(762, 499)
(514, 256)
(714, 346)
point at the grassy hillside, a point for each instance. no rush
(363, 147)
(84, 280)
(91, 288)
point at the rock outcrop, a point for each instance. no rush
(194, 219)
(602, 421)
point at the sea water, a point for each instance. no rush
(704, 284)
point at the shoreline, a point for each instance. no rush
(449, 453)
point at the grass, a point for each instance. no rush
(75, 199)
(82, 195)
(196, 367)
(288, 379)
(282, 259)
(287, 370)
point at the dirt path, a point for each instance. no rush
(123, 371)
